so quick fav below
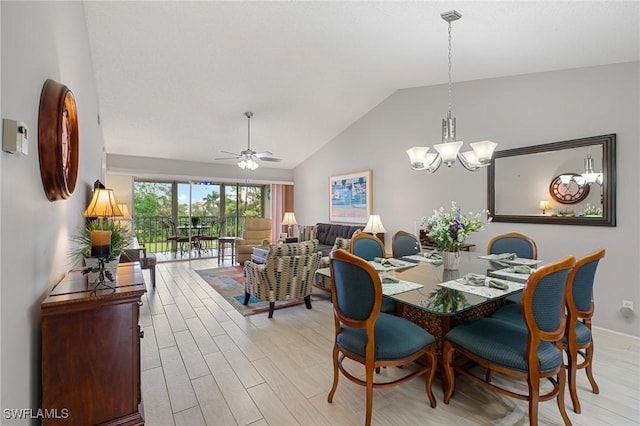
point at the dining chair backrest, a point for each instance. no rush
(367, 246)
(513, 242)
(580, 307)
(356, 290)
(404, 244)
(581, 289)
(543, 300)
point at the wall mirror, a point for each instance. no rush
(569, 183)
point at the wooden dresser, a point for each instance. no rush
(91, 351)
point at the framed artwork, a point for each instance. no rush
(350, 197)
(58, 140)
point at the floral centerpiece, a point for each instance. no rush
(449, 229)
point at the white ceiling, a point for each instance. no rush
(175, 78)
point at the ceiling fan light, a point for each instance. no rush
(251, 164)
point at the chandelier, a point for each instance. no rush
(449, 149)
(588, 177)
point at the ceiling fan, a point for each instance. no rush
(248, 157)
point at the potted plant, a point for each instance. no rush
(105, 265)
(592, 210)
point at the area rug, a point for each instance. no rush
(229, 283)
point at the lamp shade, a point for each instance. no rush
(374, 225)
(566, 179)
(417, 156)
(289, 219)
(102, 204)
(448, 151)
(484, 150)
(544, 205)
(125, 211)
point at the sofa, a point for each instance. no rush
(326, 234)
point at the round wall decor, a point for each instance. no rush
(58, 140)
(568, 194)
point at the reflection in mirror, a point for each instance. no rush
(571, 182)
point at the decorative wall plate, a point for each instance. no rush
(58, 140)
(567, 194)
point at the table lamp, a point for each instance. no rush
(374, 225)
(544, 205)
(102, 205)
(289, 219)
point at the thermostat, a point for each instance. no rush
(15, 137)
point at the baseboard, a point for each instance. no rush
(617, 333)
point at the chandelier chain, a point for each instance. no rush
(449, 66)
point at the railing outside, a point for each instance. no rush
(153, 231)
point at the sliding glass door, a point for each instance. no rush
(167, 213)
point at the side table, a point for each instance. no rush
(222, 242)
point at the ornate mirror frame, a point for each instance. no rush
(608, 218)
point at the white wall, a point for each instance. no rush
(515, 112)
(40, 40)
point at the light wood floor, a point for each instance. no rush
(205, 364)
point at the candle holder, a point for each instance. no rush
(103, 273)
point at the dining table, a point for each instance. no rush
(438, 299)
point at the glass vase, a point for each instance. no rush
(451, 260)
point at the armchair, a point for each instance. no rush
(257, 232)
(287, 274)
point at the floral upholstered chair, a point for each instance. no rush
(287, 274)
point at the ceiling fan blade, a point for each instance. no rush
(270, 159)
(231, 153)
(227, 158)
(263, 154)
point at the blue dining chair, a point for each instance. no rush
(531, 353)
(366, 246)
(513, 242)
(404, 244)
(580, 307)
(370, 337)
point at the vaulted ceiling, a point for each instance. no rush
(175, 78)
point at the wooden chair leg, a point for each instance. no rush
(433, 362)
(246, 298)
(369, 409)
(589, 369)
(335, 374)
(572, 360)
(450, 378)
(562, 380)
(272, 306)
(534, 398)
